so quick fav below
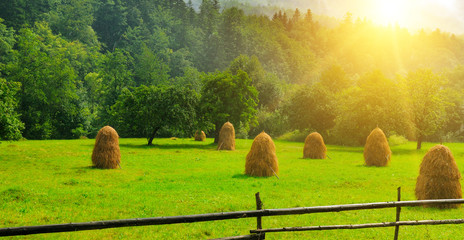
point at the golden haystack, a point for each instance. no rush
(106, 152)
(439, 177)
(377, 151)
(200, 136)
(261, 161)
(314, 147)
(226, 137)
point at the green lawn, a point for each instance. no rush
(49, 182)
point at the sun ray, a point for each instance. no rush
(391, 11)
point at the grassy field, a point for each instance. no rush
(48, 182)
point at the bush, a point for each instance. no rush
(242, 132)
(294, 136)
(394, 140)
(79, 132)
(273, 123)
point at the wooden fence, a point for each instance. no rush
(258, 233)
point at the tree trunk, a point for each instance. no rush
(150, 140)
(419, 142)
(216, 134)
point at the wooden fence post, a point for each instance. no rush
(259, 206)
(398, 211)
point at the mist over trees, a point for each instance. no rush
(67, 68)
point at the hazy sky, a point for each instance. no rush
(448, 15)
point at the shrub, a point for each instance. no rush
(394, 140)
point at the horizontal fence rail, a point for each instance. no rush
(359, 226)
(244, 237)
(69, 227)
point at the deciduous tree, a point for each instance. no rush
(427, 102)
(144, 111)
(10, 123)
(226, 97)
(49, 105)
(376, 101)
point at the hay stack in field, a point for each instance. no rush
(106, 152)
(377, 151)
(261, 161)
(200, 136)
(314, 147)
(439, 177)
(226, 137)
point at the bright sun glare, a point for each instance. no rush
(391, 11)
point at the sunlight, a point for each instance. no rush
(391, 11)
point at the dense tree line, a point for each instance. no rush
(160, 68)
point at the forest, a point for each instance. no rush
(155, 68)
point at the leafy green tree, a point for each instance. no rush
(10, 123)
(150, 69)
(269, 86)
(164, 22)
(310, 108)
(226, 97)
(190, 16)
(110, 22)
(73, 20)
(375, 101)
(17, 13)
(180, 63)
(334, 79)
(231, 32)
(451, 129)
(212, 52)
(427, 102)
(116, 74)
(454, 94)
(143, 112)
(273, 123)
(191, 80)
(7, 42)
(209, 15)
(319, 101)
(49, 105)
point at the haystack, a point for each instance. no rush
(106, 152)
(261, 161)
(314, 147)
(377, 151)
(439, 177)
(226, 137)
(200, 136)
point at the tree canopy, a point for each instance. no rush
(70, 67)
(227, 97)
(10, 123)
(144, 111)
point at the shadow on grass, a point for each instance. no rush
(345, 149)
(315, 159)
(86, 168)
(361, 150)
(371, 166)
(171, 146)
(244, 176)
(409, 151)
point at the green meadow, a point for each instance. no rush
(52, 182)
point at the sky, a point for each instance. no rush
(448, 15)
